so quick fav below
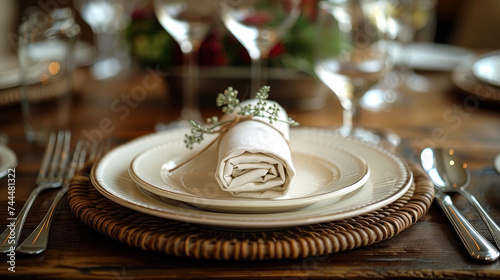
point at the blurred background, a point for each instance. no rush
(460, 22)
(463, 23)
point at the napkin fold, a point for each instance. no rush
(254, 158)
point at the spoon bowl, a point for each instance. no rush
(446, 172)
(450, 174)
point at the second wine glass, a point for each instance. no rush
(258, 25)
(108, 20)
(409, 20)
(351, 54)
(188, 22)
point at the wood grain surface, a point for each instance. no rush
(129, 108)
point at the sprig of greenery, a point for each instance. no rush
(230, 103)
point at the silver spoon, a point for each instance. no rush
(455, 177)
(442, 170)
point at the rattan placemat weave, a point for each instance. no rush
(189, 240)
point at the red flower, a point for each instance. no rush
(258, 18)
(212, 52)
(309, 9)
(143, 12)
(277, 50)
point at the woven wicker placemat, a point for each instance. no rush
(189, 240)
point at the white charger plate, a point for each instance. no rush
(323, 173)
(434, 57)
(390, 177)
(8, 160)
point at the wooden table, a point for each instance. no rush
(429, 249)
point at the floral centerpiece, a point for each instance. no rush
(290, 59)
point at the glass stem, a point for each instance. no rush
(101, 42)
(112, 56)
(350, 116)
(107, 44)
(258, 71)
(255, 76)
(263, 71)
(406, 70)
(405, 36)
(190, 110)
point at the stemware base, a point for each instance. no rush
(417, 82)
(379, 99)
(172, 125)
(376, 136)
(383, 96)
(110, 67)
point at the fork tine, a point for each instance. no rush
(78, 159)
(60, 154)
(47, 156)
(81, 161)
(56, 154)
(99, 149)
(105, 149)
(65, 155)
(95, 148)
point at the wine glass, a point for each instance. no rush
(258, 25)
(108, 19)
(407, 20)
(188, 22)
(351, 54)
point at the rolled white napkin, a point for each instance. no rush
(254, 159)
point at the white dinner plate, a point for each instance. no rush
(487, 68)
(10, 75)
(390, 177)
(9, 72)
(436, 57)
(496, 163)
(8, 160)
(323, 173)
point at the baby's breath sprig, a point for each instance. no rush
(230, 103)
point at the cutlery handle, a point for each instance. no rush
(478, 247)
(14, 229)
(36, 243)
(490, 223)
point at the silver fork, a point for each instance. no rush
(50, 176)
(37, 242)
